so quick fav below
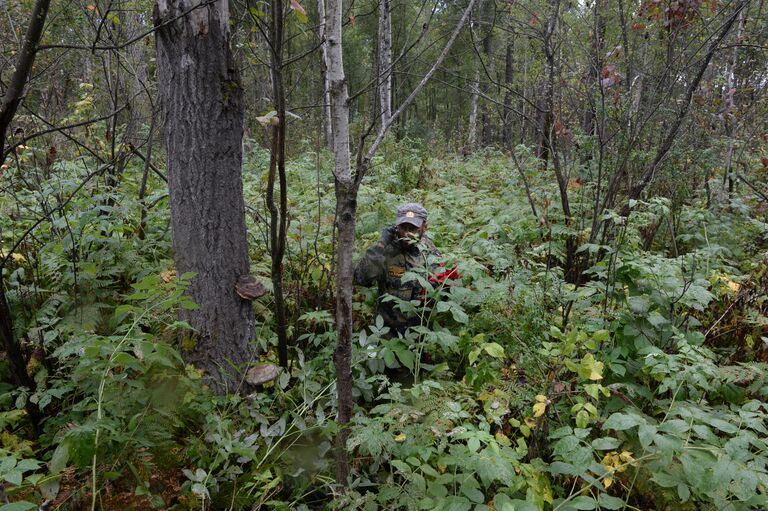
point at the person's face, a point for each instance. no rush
(409, 234)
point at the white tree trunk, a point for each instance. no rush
(327, 128)
(385, 63)
(346, 210)
(346, 206)
(472, 136)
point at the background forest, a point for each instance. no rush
(187, 183)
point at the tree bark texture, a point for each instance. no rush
(12, 98)
(385, 63)
(472, 130)
(202, 100)
(14, 93)
(487, 84)
(278, 215)
(509, 75)
(327, 129)
(347, 186)
(346, 209)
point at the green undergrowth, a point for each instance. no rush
(643, 388)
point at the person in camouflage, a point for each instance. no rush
(401, 248)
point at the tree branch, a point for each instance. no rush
(365, 163)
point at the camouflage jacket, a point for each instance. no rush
(384, 264)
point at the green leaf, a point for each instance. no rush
(621, 421)
(14, 477)
(583, 502)
(665, 480)
(645, 433)
(406, 357)
(558, 467)
(609, 502)
(744, 484)
(725, 427)
(503, 503)
(459, 316)
(582, 419)
(605, 444)
(401, 466)
(683, 492)
(472, 493)
(494, 349)
(639, 305)
(18, 506)
(473, 356)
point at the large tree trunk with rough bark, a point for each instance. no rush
(201, 96)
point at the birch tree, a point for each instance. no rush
(385, 62)
(347, 184)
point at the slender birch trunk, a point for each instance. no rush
(347, 186)
(509, 76)
(346, 209)
(327, 124)
(472, 131)
(385, 63)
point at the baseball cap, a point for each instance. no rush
(411, 213)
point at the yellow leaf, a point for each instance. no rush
(595, 375)
(626, 457)
(400, 438)
(607, 482)
(18, 257)
(539, 409)
(502, 439)
(541, 399)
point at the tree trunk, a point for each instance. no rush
(327, 131)
(278, 215)
(346, 209)
(508, 80)
(729, 104)
(12, 98)
(595, 68)
(201, 95)
(472, 130)
(347, 186)
(489, 69)
(385, 63)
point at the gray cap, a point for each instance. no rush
(411, 213)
